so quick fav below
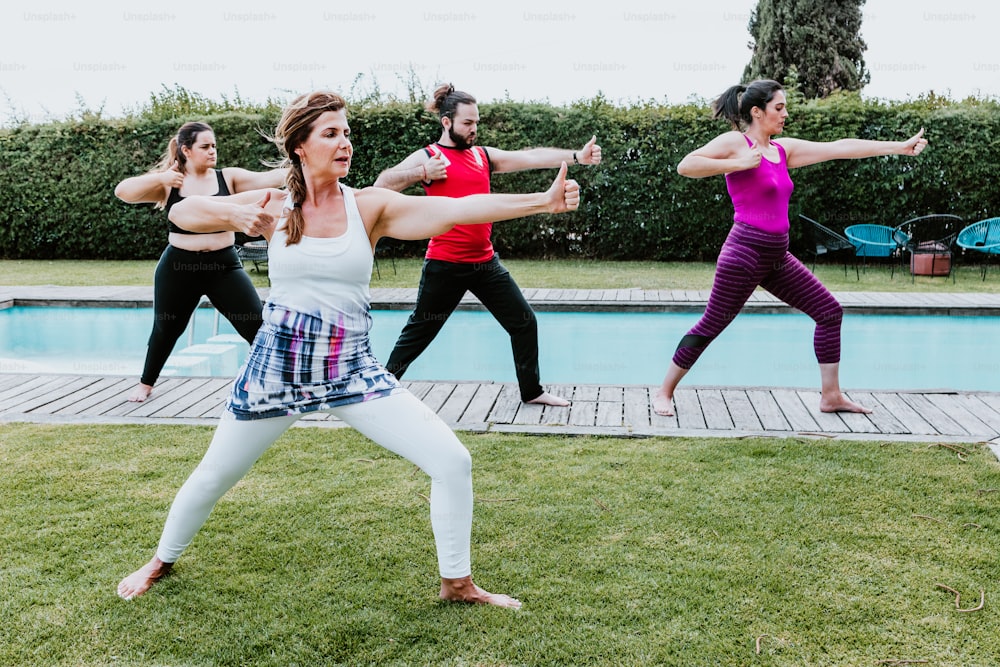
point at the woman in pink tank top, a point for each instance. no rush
(756, 250)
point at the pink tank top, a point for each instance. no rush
(760, 196)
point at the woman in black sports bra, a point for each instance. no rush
(194, 264)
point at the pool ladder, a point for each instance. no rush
(215, 324)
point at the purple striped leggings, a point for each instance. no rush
(752, 257)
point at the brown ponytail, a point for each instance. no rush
(296, 184)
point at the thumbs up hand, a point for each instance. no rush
(436, 168)
(253, 219)
(563, 194)
(590, 153)
(173, 177)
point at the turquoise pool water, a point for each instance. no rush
(879, 351)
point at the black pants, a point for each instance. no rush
(442, 286)
(181, 278)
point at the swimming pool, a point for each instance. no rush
(879, 351)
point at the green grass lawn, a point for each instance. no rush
(659, 551)
(624, 552)
(556, 274)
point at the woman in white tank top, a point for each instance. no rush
(312, 352)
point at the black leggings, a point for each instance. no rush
(181, 278)
(442, 286)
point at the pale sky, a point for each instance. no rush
(57, 56)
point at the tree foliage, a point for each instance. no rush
(815, 44)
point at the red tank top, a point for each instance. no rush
(468, 174)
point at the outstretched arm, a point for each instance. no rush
(244, 179)
(252, 212)
(151, 188)
(412, 218)
(725, 154)
(543, 158)
(802, 153)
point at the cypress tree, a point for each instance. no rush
(815, 44)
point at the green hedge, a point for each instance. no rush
(57, 179)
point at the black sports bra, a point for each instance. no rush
(175, 196)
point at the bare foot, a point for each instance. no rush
(545, 398)
(463, 590)
(663, 404)
(142, 579)
(140, 393)
(841, 404)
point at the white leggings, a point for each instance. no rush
(400, 423)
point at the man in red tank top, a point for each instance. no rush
(462, 260)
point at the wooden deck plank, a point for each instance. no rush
(555, 414)
(988, 414)
(795, 410)
(12, 380)
(956, 410)
(25, 397)
(194, 395)
(479, 408)
(166, 392)
(609, 413)
(941, 422)
(438, 395)
(741, 410)
(688, 409)
(636, 407)
(609, 393)
(506, 405)
(798, 415)
(52, 393)
(583, 413)
(94, 401)
(154, 407)
(419, 389)
(213, 405)
(661, 422)
(99, 384)
(827, 422)
(882, 418)
(901, 410)
(992, 400)
(714, 409)
(528, 413)
(12, 395)
(767, 409)
(455, 406)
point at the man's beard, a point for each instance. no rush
(461, 143)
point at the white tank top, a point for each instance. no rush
(326, 277)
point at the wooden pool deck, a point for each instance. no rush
(931, 415)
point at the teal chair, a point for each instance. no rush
(982, 236)
(871, 240)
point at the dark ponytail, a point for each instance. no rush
(737, 102)
(446, 99)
